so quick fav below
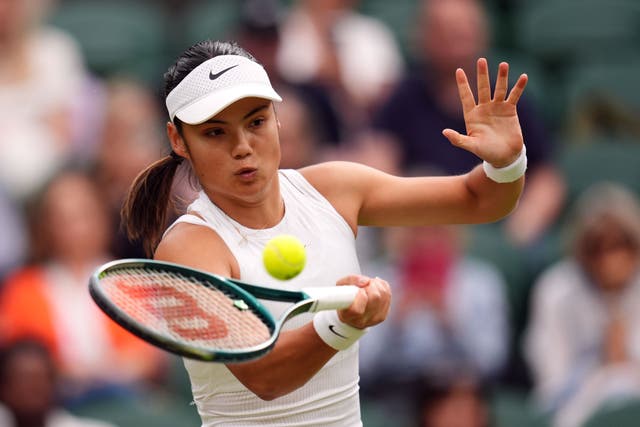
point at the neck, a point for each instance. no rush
(265, 210)
(261, 216)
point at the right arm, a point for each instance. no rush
(299, 353)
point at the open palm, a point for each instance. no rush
(493, 128)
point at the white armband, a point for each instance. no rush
(334, 332)
(508, 173)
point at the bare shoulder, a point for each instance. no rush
(338, 175)
(344, 184)
(199, 247)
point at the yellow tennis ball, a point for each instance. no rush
(284, 257)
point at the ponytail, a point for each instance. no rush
(144, 212)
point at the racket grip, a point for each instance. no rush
(332, 297)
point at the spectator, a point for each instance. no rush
(28, 381)
(41, 80)
(451, 34)
(259, 29)
(130, 141)
(450, 295)
(583, 340)
(299, 137)
(352, 56)
(460, 403)
(48, 300)
(449, 318)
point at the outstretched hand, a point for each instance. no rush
(493, 128)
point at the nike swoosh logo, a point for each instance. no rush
(332, 329)
(218, 74)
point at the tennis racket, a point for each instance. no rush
(200, 315)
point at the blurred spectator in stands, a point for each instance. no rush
(131, 140)
(583, 340)
(449, 317)
(461, 403)
(299, 136)
(352, 57)
(453, 34)
(28, 389)
(48, 299)
(258, 31)
(41, 81)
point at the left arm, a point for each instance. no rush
(365, 196)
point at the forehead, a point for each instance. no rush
(241, 109)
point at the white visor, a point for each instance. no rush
(214, 85)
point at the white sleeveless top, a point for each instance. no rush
(330, 398)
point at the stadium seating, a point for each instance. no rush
(625, 414)
(604, 97)
(208, 20)
(600, 159)
(117, 37)
(511, 408)
(573, 30)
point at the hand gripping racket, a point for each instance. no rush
(201, 315)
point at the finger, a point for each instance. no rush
(484, 86)
(464, 90)
(518, 89)
(357, 308)
(354, 279)
(502, 82)
(384, 294)
(379, 293)
(373, 291)
(459, 140)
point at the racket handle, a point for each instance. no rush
(332, 297)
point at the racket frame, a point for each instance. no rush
(247, 292)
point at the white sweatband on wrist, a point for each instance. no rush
(508, 173)
(334, 332)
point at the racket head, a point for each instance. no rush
(184, 311)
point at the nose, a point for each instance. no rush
(243, 146)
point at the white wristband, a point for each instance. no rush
(334, 332)
(508, 173)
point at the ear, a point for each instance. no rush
(177, 142)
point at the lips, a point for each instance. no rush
(246, 172)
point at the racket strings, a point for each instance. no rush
(186, 309)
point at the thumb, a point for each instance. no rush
(458, 140)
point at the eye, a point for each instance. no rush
(214, 132)
(257, 122)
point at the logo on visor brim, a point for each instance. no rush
(213, 76)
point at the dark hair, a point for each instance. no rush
(433, 392)
(144, 212)
(26, 345)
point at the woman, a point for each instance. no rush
(582, 342)
(47, 299)
(224, 125)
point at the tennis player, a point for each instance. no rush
(223, 123)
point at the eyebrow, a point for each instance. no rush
(249, 114)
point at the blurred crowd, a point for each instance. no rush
(529, 321)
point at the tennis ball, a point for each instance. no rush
(284, 257)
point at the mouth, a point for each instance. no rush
(246, 173)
